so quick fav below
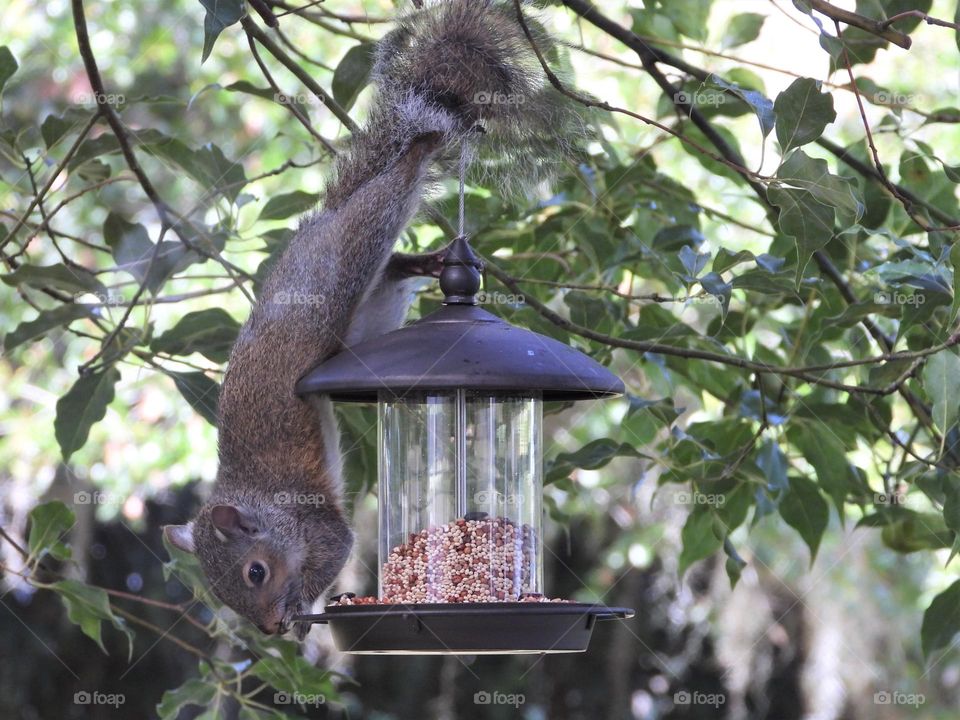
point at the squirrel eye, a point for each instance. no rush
(257, 573)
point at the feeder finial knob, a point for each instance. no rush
(460, 277)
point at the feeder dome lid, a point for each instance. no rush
(460, 346)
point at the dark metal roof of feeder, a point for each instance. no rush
(460, 346)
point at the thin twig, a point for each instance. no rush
(802, 373)
(874, 27)
(53, 177)
(590, 102)
(923, 16)
(284, 100)
(107, 111)
(302, 75)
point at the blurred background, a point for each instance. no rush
(756, 628)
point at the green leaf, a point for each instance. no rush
(758, 102)
(48, 523)
(802, 113)
(675, 237)
(689, 18)
(352, 74)
(200, 391)
(88, 607)
(8, 65)
(941, 621)
(283, 206)
(734, 563)
(805, 510)
(83, 405)
(812, 175)
(742, 29)
(718, 288)
(136, 254)
(699, 539)
(956, 22)
(193, 692)
(218, 173)
(59, 277)
(941, 380)
(805, 219)
(46, 321)
(693, 262)
(209, 332)
(591, 456)
(773, 463)
(823, 450)
(915, 531)
(185, 567)
(726, 259)
(245, 86)
(810, 201)
(53, 128)
(292, 673)
(951, 509)
(220, 14)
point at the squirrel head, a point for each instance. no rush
(268, 561)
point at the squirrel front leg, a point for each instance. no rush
(388, 301)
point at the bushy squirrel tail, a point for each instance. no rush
(465, 68)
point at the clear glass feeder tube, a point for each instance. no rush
(460, 498)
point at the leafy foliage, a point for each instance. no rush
(784, 313)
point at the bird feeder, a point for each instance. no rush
(460, 398)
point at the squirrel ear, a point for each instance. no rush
(231, 522)
(180, 536)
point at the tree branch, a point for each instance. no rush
(302, 75)
(802, 373)
(108, 112)
(53, 177)
(874, 27)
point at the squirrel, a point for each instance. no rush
(445, 71)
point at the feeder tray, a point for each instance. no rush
(464, 628)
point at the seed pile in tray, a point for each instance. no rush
(467, 560)
(473, 559)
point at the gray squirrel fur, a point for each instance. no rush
(277, 500)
